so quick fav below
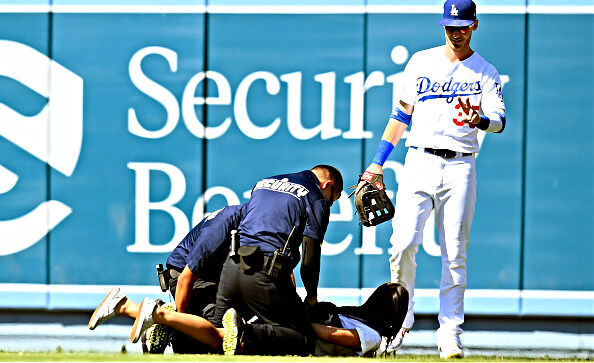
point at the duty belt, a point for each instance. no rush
(444, 153)
(266, 261)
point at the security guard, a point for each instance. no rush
(192, 275)
(284, 212)
(194, 267)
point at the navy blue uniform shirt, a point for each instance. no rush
(277, 204)
(206, 246)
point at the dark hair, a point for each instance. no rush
(333, 174)
(384, 310)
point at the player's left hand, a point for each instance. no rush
(469, 114)
(373, 168)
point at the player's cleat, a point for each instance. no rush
(451, 351)
(106, 310)
(144, 320)
(232, 324)
(158, 336)
(394, 345)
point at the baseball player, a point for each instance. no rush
(449, 93)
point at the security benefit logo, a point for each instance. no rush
(53, 135)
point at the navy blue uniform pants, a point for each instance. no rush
(283, 324)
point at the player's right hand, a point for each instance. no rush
(469, 114)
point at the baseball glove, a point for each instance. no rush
(373, 205)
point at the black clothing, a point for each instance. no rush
(283, 327)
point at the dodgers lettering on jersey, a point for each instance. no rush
(277, 204)
(448, 90)
(432, 84)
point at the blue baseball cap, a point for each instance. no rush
(458, 13)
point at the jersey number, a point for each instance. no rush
(462, 123)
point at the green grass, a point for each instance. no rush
(135, 357)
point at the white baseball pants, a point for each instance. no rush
(447, 186)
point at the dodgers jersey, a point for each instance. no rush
(432, 84)
(277, 204)
(206, 246)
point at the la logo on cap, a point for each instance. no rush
(454, 11)
(458, 13)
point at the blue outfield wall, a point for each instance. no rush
(124, 122)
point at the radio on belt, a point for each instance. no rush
(280, 258)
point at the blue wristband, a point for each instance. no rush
(401, 116)
(483, 123)
(382, 153)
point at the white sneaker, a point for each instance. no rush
(450, 351)
(394, 345)
(144, 320)
(106, 310)
(232, 324)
